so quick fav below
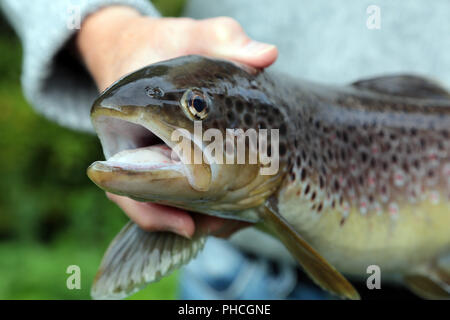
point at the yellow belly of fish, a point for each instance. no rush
(416, 234)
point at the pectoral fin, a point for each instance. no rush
(431, 281)
(136, 258)
(405, 86)
(324, 274)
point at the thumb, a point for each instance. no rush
(224, 37)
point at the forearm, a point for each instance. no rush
(52, 80)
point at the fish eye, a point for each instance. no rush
(195, 104)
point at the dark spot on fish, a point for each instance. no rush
(320, 207)
(239, 106)
(423, 143)
(330, 154)
(307, 189)
(170, 96)
(262, 125)
(304, 155)
(361, 180)
(343, 155)
(313, 196)
(321, 182)
(394, 158)
(304, 174)
(364, 157)
(282, 149)
(336, 185)
(230, 116)
(405, 167)
(317, 125)
(248, 120)
(283, 129)
(307, 137)
(345, 137)
(228, 102)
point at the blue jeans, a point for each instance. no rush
(221, 271)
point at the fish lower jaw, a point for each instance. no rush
(145, 159)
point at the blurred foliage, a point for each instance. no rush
(51, 214)
(169, 8)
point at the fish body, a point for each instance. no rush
(363, 170)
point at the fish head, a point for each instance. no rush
(164, 132)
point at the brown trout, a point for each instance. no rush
(363, 178)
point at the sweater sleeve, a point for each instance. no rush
(53, 80)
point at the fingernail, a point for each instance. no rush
(181, 232)
(256, 48)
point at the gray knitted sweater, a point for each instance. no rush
(324, 40)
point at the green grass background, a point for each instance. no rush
(51, 215)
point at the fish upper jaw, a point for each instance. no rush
(141, 158)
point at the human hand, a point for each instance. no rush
(117, 40)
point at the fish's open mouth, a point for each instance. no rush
(131, 146)
(135, 147)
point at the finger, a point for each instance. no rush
(224, 37)
(218, 227)
(230, 228)
(155, 217)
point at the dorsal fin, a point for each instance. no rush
(404, 86)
